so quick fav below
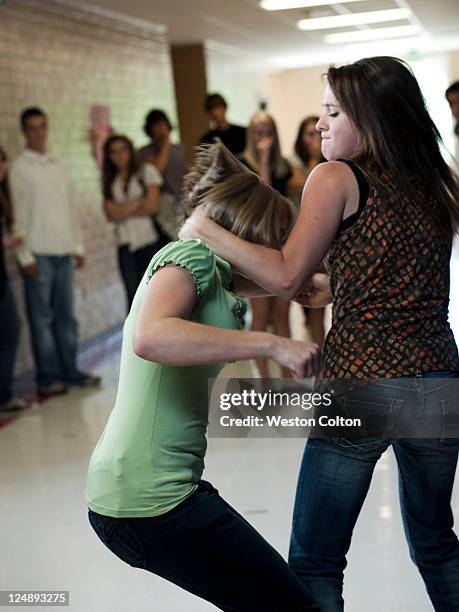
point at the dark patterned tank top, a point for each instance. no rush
(389, 277)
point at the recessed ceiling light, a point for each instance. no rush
(284, 5)
(373, 34)
(338, 21)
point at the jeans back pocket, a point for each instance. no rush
(378, 415)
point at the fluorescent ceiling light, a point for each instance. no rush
(283, 5)
(375, 34)
(339, 21)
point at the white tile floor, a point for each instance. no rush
(46, 542)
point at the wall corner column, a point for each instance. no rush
(189, 70)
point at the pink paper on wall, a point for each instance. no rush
(100, 130)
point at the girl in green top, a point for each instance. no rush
(146, 499)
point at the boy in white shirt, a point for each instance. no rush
(47, 218)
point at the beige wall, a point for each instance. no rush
(293, 95)
(64, 60)
(454, 65)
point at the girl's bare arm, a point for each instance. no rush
(165, 334)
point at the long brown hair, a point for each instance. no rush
(236, 198)
(109, 170)
(301, 148)
(397, 136)
(5, 202)
(278, 165)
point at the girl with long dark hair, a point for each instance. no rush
(306, 155)
(131, 198)
(383, 210)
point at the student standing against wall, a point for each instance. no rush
(131, 200)
(170, 160)
(46, 215)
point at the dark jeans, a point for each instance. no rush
(335, 476)
(207, 548)
(53, 327)
(9, 338)
(133, 264)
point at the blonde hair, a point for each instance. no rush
(236, 198)
(277, 164)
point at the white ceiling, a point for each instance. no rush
(241, 27)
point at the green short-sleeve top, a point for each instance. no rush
(150, 455)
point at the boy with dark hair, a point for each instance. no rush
(170, 160)
(232, 136)
(46, 216)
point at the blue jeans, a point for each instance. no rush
(334, 478)
(53, 327)
(204, 546)
(9, 338)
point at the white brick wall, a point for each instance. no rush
(64, 60)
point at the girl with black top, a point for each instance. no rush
(385, 225)
(307, 154)
(263, 156)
